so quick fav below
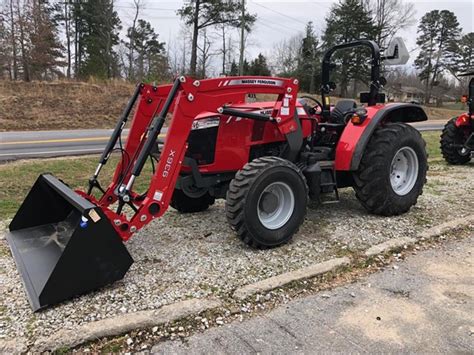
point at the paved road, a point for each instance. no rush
(424, 305)
(36, 144)
(435, 125)
(40, 144)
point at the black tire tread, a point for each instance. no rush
(449, 136)
(370, 179)
(185, 204)
(239, 188)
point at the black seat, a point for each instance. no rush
(341, 109)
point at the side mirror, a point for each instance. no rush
(396, 53)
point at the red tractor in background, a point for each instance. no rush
(264, 158)
(457, 139)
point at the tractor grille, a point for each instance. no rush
(202, 145)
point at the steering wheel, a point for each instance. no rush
(313, 109)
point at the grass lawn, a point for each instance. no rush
(433, 145)
(17, 178)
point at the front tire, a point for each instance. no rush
(392, 171)
(450, 137)
(266, 202)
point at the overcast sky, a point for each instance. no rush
(277, 20)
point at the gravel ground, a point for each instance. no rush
(197, 255)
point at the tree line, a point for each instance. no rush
(443, 49)
(45, 40)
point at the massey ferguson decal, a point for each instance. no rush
(251, 81)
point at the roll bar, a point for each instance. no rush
(470, 97)
(374, 72)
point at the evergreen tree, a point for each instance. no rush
(466, 53)
(389, 16)
(150, 62)
(80, 29)
(309, 61)
(259, 66)
(46, 50)
(234, 69)
(438, 33)
(246, 67)
(347, 21)
(99, 25)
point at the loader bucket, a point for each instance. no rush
(64, 245)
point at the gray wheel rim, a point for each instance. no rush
(283, 208)
(404, 171)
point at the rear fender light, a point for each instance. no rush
(359, 116)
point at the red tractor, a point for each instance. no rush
(264, 158)
(457, 139)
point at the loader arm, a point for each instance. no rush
(184, 100)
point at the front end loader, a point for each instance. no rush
(264, 158)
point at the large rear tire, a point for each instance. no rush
(392, 171)
(451, 136)
(185, 204)
(266, 202)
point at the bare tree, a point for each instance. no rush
(5, 65)
(137, 5)
(242, 40)
(178, 49)
(227, 49)
(200, 14)
(231, 52)
(224, 48)
(13, 42)
(67, 28)
(205, 53)
(172, 53)
(284, 58)
(185, 50)
(390, 16)
(23, 24)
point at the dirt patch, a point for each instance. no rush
(382, 318)
(61, 105)
(446, 271)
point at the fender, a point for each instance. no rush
(354, 138)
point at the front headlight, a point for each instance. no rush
(206, 123)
